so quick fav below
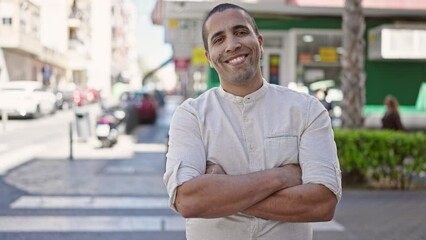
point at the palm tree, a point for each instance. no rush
(353, 76)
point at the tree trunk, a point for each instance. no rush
(353, 76)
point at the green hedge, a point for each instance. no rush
(381, 157)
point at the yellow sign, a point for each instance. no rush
(173, 23)
(198, 57)
(274, 60)
(328, 54)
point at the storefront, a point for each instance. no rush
(302, 47)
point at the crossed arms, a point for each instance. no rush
(274, 194)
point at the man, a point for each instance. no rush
(249, 160)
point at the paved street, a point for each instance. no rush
(118, 193)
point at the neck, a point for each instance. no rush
(244, 89)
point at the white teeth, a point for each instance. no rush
(237, 60)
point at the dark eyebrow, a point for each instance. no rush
(236, 27)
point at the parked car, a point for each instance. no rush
(64, 99)
(26, 99)
(142, 103)
(93, 95)
(65, 95)
(80, 97)
(146, 107)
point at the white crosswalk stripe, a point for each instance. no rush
(3, 147)
(59, 202)
(90, 224)
(103, 223)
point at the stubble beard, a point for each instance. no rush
(240, 77)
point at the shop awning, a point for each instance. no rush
(373, 4)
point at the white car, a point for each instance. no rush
(26, 99)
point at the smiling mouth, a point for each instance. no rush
(237, 60)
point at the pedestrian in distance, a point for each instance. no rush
(321, 94)
(391, 119)
(249, 159)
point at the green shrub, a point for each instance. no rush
(382, 157)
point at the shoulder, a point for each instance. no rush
(198, 104)
(291, 97)
(302, 106)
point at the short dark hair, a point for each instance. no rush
(220, 8)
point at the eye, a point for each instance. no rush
(241, 33)
(217, 40)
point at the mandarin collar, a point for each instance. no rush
(259, 93)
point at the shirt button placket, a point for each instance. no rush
(248, 129)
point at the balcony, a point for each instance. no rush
(75, 17)
(19, 26)
(54, 57)
(78, 55)
(12, 37)
(74, 22)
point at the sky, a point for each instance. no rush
(151, 46)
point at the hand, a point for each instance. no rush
(213, 168)
(292, 174)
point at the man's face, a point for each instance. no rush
(234, 48)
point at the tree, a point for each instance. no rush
(353, 76)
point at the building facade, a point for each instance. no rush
(20, 40)
(88, 43)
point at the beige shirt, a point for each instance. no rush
(268, 128)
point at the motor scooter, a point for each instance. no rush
(107, 127)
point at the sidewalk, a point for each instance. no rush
(132, 167)
(380, 215)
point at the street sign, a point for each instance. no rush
(198, 56)
(181, 64)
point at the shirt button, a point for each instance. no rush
(251, 146)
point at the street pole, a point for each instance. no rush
(71, 142)
(4, 119)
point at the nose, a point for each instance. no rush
(232, 44)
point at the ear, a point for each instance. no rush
(260, 39)
(206, 53)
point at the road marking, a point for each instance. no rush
(61, 202)
(110, 224)
(328, 226)
(12, 159)
(174, 224)
(3, 147)
(90, 224)
(105, 223)
(150, 147)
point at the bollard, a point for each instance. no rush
(71, 143)
(82, 125)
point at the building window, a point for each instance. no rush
(35, 22)
(7, 21)
(23, 17)
(23, 23)
(318, 57)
